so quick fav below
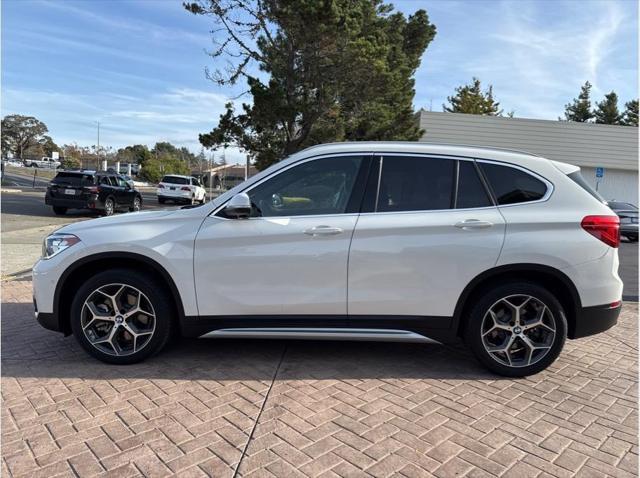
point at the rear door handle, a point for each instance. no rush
(473, 224)
(323, 231)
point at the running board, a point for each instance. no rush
(382, 335)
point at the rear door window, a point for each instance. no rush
(511, 185)
(415, 184)
(471, 191)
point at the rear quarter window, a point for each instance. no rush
(511, 185)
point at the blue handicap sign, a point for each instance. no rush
(599, 172)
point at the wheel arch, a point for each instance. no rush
(557, 282)
(76, 273)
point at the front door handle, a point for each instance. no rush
(473, 224)
(323, 231)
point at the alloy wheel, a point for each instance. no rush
(518, 330)
(118, 319)
(136, 204)
(108, 207)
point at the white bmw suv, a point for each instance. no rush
(511, 252)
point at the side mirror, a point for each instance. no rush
(238, 207)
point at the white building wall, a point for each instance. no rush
(618, 184)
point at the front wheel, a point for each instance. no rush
(121, 316)
(137, 205)
(517, 329)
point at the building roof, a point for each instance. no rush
(582, 144)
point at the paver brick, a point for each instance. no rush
(334, 409)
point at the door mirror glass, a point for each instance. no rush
(238, 207)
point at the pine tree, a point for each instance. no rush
(580, 109)
(607, 111)
(471, 100)
(329, 71)
(630, 117)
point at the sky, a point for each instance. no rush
(138, 66)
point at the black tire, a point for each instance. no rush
(161, 200)
(156, 295)
(473, 333)
(137, 204)
(60, 211)
(109, 207)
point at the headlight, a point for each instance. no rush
(56, 243)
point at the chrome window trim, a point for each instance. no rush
(381, 155)
(549, 184)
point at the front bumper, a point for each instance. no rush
(593, 320)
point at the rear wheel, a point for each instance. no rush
(121, 316)
(161, 200)
(60, 211)
(517, 329)
(109, 207)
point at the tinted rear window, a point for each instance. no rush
(511, 185)
(175, 180)
(580, 181)
(73, 179)
(415, 184)
(471, 191)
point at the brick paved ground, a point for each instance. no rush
(334, 409)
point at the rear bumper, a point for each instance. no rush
(92, 203)
(593, 320)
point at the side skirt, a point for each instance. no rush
(323, 327)
(321, 334)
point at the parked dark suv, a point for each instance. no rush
(98, 190)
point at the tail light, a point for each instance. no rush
(605, 228)
(93, 189)
(185, 188)
(160, 186)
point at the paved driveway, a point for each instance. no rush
(312, 408)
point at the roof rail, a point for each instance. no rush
(426, 143)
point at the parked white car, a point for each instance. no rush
(381, 241)
(178, 188)
(43, 162)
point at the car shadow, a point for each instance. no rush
(28, 350)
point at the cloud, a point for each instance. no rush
(535, 54)
(138, 27)
(177, 115)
